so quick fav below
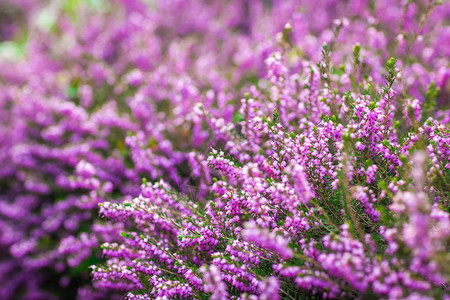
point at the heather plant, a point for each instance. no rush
(329, 179)
(347, 206)
(101, 98)
(331, 184)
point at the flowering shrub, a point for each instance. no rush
(337, 193)
(96, 103)
(329, 179)
(346, 206)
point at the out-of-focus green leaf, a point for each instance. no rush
(11, 50)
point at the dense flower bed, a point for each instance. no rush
(236, 149)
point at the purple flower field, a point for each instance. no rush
(234, 149)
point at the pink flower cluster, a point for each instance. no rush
(330, 178)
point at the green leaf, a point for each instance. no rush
(356, 49)
(72, 91)
(390, 64)
(237, 117)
